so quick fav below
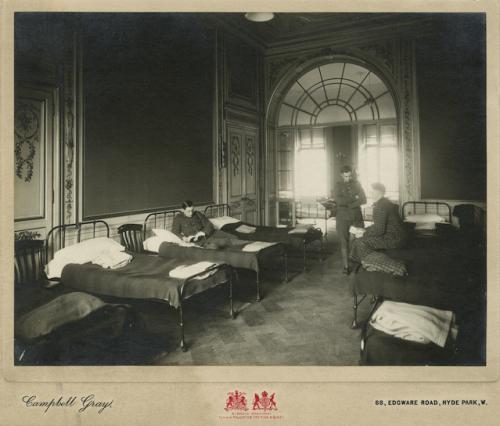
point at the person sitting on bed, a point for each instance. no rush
(387, 231)
(191, 225)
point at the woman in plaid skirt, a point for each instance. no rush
(387, 231)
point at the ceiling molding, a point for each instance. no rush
(354, 36)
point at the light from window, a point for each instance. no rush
(378, 159)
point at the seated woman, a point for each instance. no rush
(191, 225)
(387, 231)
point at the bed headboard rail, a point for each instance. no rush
(217, 210)
(422, 207)
(58, 237)
(163, 220)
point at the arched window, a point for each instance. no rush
(338, 92)
(330, 96)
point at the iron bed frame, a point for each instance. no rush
(59, 233)
(225, 210)
(165, 218)
(375, 299)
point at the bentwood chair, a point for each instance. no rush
(131, 236)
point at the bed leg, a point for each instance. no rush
(181, 325)
(257, 284)
(231, 310)
(285, 262)
(304, 257)
(321, 250)
(355, 324)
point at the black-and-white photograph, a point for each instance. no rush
(249, 189)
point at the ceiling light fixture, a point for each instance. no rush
(259, 16)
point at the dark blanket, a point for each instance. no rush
(274, 234)
(220, 251)
(437, 277)
(145, 277)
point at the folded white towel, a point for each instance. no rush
(112, 259)
(301, 229)
(186, 271)
(414, 322)
(256, 246)
(245, 229)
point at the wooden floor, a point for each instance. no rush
(305, 321)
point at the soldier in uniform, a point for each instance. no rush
(190, 224)
(349, 196)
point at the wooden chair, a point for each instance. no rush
(131, 236)
(29, 259)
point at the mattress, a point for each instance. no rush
(145, 277)
(437, 276)
(274, 234)
(232, 254)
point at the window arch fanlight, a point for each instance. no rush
(336, 92)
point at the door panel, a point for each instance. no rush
(235, 160)
(250, 180)
(243, 171)
(33, 159)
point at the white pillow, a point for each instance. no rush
(425, 221)
(219, 222)
(152, 243)
(88, 248)
(83, 252)
(167, 236)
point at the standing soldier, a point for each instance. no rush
(349, 196)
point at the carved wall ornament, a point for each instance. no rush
(69, 135)
(278, 67)
(382, 51)
(407, 118)
(250, 156)
(235, 155)
(223, 154)
(26, 129)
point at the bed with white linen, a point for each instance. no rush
(427, 218)
(219, 247)
(98, 265)
(297, 239)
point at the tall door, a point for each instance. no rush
(34, 148)
(243, 168)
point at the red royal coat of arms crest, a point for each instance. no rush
(264, 402)
(236, 401)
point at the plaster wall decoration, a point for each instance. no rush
(407, 119)
(250, 156)
(235, 155)
(223, 167)
(384, 52)
(69, 145)
(223, 154)
(278, 67)
(26, 129)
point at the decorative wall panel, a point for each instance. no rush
(29, 156)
